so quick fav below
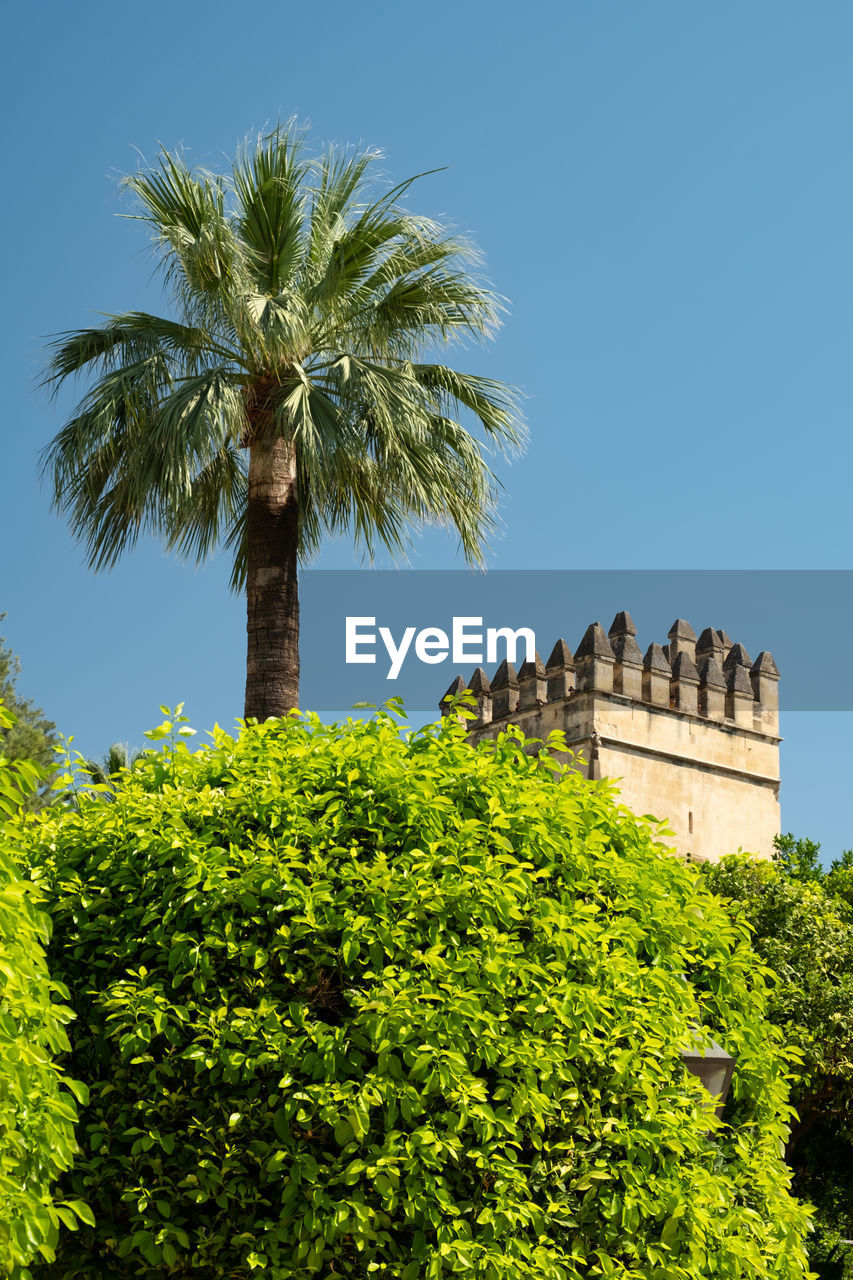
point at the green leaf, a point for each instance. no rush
(82, 1210)
(343, 1133)
(79, 1089)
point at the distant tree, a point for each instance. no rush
(32, 736)
(839, 879)
(798, 859)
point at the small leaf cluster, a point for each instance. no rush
(37, 1104)
(356, 1004)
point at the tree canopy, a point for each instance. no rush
(802, 925)
(357, 1004)
(288, 393)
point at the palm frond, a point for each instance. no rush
(270, 184)
(281, 328)
(351, 255)
(397, 460)
(130, 338)
(495, 404)
(340, 178)
(105, 775)
(201, 257)
(353, 231)
(428, 309)
(235, 540)
(397, 284)
(127, 459)
(212, 506)
(425, 245)
(199, 415)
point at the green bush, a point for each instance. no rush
(351, 1004)
(37, 1112)
(802, 924)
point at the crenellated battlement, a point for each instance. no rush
(689, 727)
(711, 677)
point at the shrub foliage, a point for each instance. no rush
(802, 923)
(37, 1111)
(351, 1004)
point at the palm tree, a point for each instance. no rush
(286, 396)
(105, 773)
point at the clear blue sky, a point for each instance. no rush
(663, 192)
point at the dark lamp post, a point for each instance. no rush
(714, 1067)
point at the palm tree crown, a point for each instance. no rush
(287, 395)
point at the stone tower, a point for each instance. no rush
(689, 731)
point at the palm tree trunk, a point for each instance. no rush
(272, 595)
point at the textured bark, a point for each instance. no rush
(272, 594)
